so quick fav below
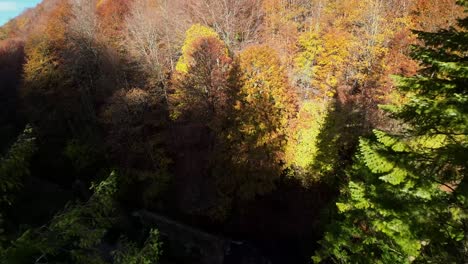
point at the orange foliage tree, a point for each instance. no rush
(61, 70)
(266, 104)
(112, 14)
(202, 91)
(46, 87)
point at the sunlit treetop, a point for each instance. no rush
(193, 34)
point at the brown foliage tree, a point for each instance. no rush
(204, 93)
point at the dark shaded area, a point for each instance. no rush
(11, 68)
(346, 121)
(287, 221)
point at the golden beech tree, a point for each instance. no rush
(346, 57)
(364, 40)
(194, 33)
(341, 72)
(266, 104)
(202, 91)
(310, 47)
(201, 100)
(320, 63)
(303, 147)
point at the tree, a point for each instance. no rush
(265, 106)
(201, 103)
(202, 88)
(81, 56)
(134, 122)
(74, 235)
(60, 73)
(303, 147)
(111, 17)
(76, 231)
(194, 33)
(236, 21)
(150, 253)
(321, 63)
(148, 43)
(407, 196)
(14, 166)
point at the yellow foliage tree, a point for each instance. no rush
(193, 34)
(321, 62)
(202, 90)
(266, 105)
(267, 102)
(303, 146)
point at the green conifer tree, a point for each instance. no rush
(407, 199)
(76, 235)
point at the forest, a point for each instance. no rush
(234, 132)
